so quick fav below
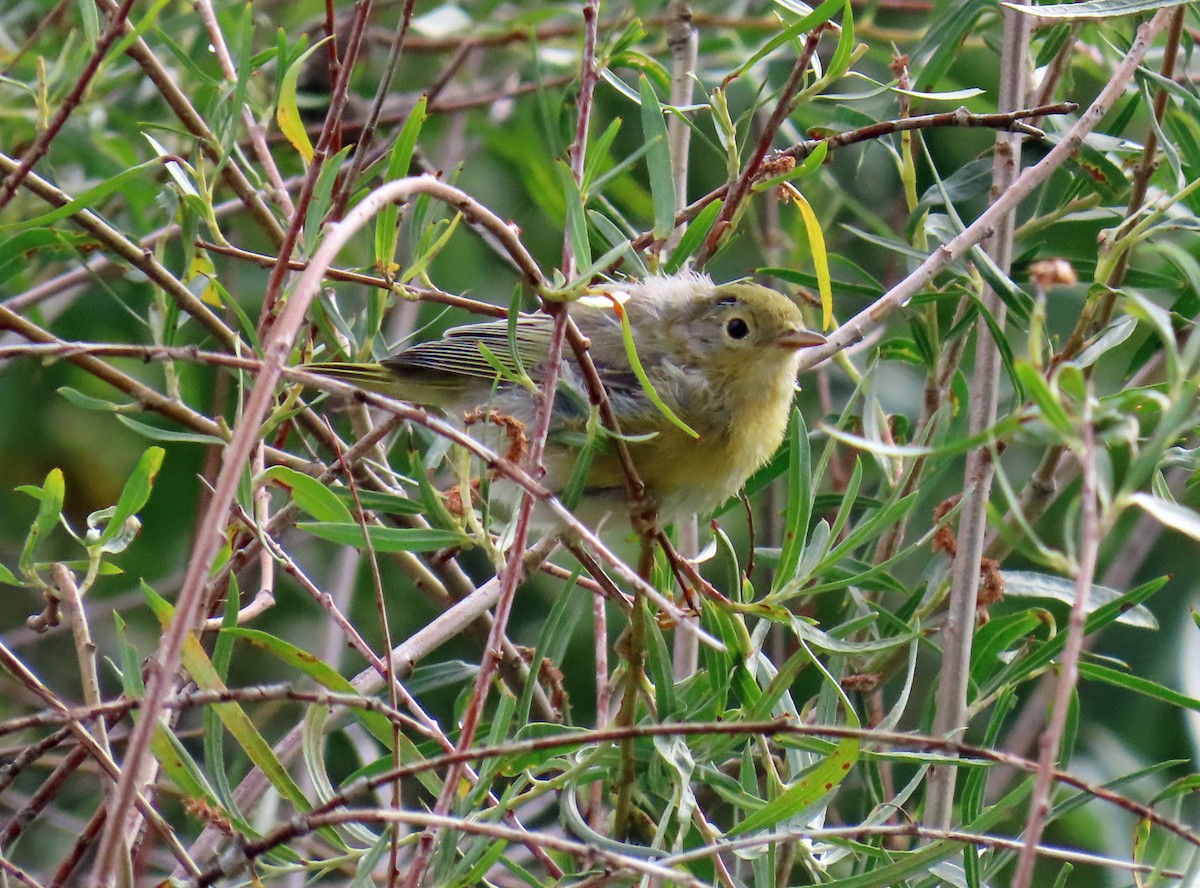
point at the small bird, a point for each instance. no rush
(722, 357)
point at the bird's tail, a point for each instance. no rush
(372, 377)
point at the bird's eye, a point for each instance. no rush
(737, 328)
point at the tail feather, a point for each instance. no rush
(368, 376)
(439, 390)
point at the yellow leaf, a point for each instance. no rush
(816, 242)
(287, 115)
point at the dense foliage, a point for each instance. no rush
(945, 637)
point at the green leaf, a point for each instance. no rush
(87, 402)
(693, 237)
(429, 250)
(818, 16)
(50, 502)
(387, 233)
(816, 246)
(815, 782)
(322, 195)
(843, 53)
(386, 503)
(240, 726)
(1094, 9)
(1046, 399)
(658, 160)
(639, 371)
(310, 495)
(576, 221)
(156, 434)
(1030, 584)
(1173, 515)
(1138, 685)
(135, 493)
(385, 539)
(799, 501)
(89, 198)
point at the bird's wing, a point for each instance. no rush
(458, 352)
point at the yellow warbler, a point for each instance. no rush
(721, 357)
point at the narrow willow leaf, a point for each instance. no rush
(814, 783)
(399, 160)
(816, 243)
(422, 260)
(91, 197)
(87, 402)
(1094, 9)
(312, 666)
(310, 495)
(576, 221)
(287, 113)
(50, 503)
(322, 195)
(696, 231)
(242, 728)
(1046, 399)
(1173, 515)
(156, 434)
(1138, 685)
(818, 16)
(640, 372)
(799, 502)
(1030, 584)
(843, 53)
(385, 539)
(135, 493)
(658, 160)
(612, 233)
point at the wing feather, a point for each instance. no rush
(458, 351)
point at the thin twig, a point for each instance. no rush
(365, 786)
(367, 133)
(740, 188)
(115, 28)
(258, 136)
(165, 82)
(875, 130)
(1090, 534)
(958, 631)
(133, 253)
(856, 328)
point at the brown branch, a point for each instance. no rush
(1011, 121)
(958, 631)
(365, 786)
(738, 191)
(363, 146)
(135, 254)
(178, 102)
(116, 27)
(326, 142)
(1090, 534)
(875, 130)
(406, 291)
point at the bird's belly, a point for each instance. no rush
(684, 475)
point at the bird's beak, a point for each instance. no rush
(795, 339)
